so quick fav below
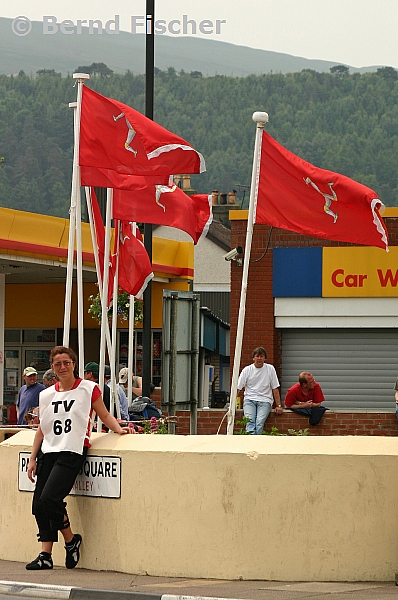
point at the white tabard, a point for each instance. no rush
(65, 418)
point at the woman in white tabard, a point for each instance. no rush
(59, 449)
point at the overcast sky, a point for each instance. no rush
(355, 32)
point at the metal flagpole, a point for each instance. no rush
(260, 118)
(80, 78)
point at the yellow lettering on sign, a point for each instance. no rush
(359, 272)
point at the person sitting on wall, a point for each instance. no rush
(306, 397)
(124, 409)
(261, 389)
(137, 382)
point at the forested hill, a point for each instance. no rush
(341, 122)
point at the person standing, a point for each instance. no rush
(91, 373)
(28, 395)
(261, 389)
(59, 449)
(49, 378)
(306, 397)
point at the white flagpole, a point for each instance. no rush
(130, 356)
(260, 118)
(80, 78)
(104, 299)
(96, 257)
(112, 353)
(79, 276)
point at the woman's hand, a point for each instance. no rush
(32, 469)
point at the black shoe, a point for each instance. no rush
(43, 561)
(73, 552)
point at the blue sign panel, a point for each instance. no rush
(297, 272)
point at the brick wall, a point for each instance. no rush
(333, 423)
(259, 320)
(260, 330)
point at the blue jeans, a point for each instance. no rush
(257, 412)
(315, 413)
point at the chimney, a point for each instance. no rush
(214, 197)
(223, 198)
(232, 197)
(186, 182)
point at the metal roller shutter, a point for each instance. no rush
(356, 368)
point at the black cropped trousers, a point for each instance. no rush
(55, 475)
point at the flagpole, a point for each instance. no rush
(130, 355)
(112, 350)
(80, 78)
(260, 118)
(96, 258)
(104, 299)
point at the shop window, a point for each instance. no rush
(12, 336)
(156, 366)
(35, 336)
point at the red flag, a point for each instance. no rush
(119, 139)
(293, 194)
(107, 178)
(135, 269)
(165, 205)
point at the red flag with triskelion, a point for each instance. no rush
(293, 194)
(120, 141)
(165, 205)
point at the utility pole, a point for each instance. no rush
(149, 103)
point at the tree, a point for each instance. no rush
(340, 70)
(388, 73)
(96, 69)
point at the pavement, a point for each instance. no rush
(106, 585)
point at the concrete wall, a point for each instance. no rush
(228, 507)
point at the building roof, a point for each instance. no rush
(34, 248)
(220, 235)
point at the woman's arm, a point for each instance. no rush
(33, 455)
(107, 419)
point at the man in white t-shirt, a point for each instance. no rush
(261, 389)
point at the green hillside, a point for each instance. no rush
(126, 52)
(342, 122)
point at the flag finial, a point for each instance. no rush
(260, 117)
(81, 76)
